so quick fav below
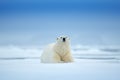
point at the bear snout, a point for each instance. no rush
(63, 39)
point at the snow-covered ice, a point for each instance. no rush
(90, 64)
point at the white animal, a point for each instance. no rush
(58, 52)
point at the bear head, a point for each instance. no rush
(63, 39)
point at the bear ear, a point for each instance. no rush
(57, 38)
(68, 38)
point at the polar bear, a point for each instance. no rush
(58, 52)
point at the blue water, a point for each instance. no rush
(85, 53)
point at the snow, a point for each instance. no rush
(90, 64)
(79, 70)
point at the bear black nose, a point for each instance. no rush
(63, 39)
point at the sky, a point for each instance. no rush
(39, 22)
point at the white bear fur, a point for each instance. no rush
(58, 52)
